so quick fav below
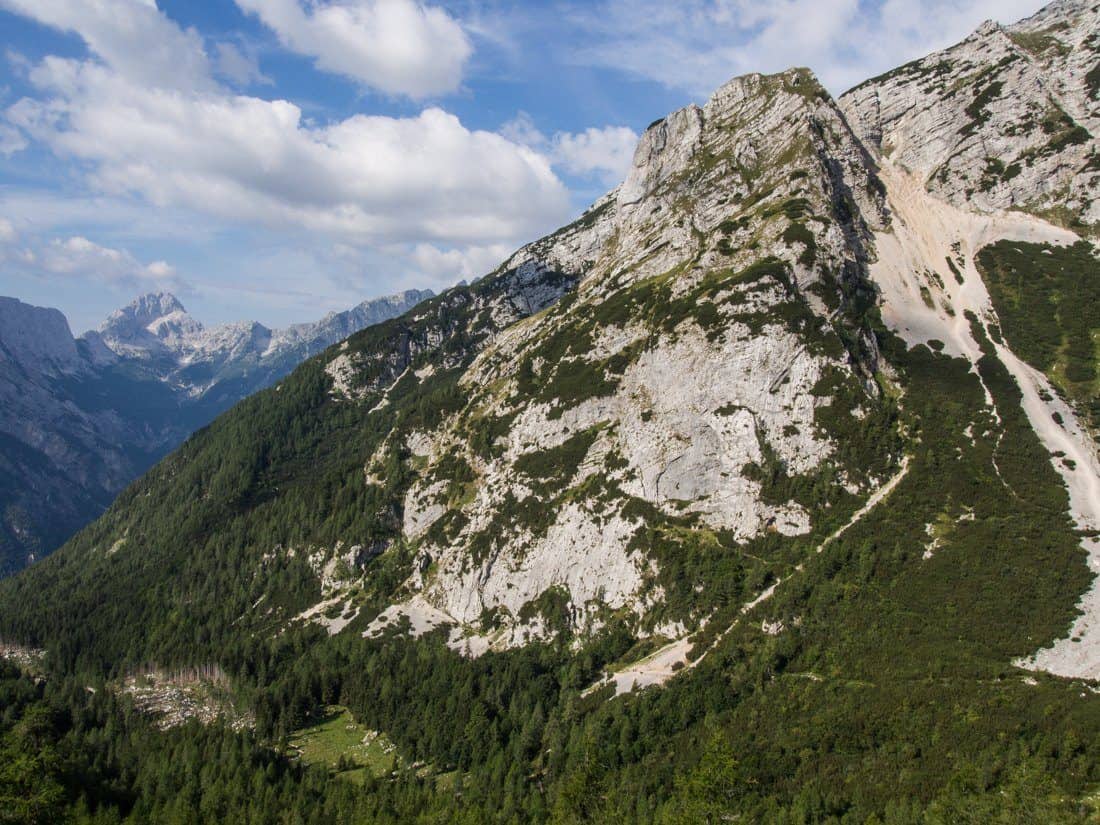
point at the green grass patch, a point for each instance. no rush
(348, 749)
(556, 466)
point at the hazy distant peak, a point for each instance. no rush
(145, 310)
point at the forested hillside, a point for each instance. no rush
(762, 492)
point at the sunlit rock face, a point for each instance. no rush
(1006, 119)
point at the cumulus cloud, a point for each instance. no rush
(522, 129)
(367, 179)
(131, 36)
(76, 257)
(399, 47)
(239, 66)
(447, 266)
(370, 178)
(11, 140)
(605, 153)
(696, 45)
(81, 257)
(8, 234)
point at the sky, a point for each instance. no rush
(274, 160)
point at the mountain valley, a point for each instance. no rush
(84, 417)
(768, 490)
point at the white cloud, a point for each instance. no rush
(367, 179)
(32, 253)
(396, 46)
(11, 140)
(419, 197)
(370, 179)
(80, 257)
(240, 66)
(131, 36)
(606, 152)
(77, 257)
(443, 267)
(113, 221)
(697, 45)
(522, 129)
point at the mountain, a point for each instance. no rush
(1004, 120)
(224, 364)
(698, 376)
(767, 490)
(81, 418)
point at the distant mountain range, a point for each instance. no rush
(82, 417)
(768, 490)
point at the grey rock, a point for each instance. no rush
(1004, 120)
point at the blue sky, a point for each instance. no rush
(277, 159)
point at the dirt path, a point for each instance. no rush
(662, 665)
(872, 502)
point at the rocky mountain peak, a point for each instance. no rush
(670, 145)
(664, 149)
(151, 326)
(1056, 12)
(145, 310)
(1005, 119)
(717, 288)
(738, 89)
(37, 338)
(726, 169)
(986, 28)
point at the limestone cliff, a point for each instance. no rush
(1005, 119)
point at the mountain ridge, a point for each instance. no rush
(85, 416)
(771, 168)
(751, 494)
(157, 325)
(1033, 150)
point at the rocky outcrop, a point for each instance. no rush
(36, 339)
(1007, 119)
(717, 312)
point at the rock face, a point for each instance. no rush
(36, 338)
(81, 418)
(717, 321)
(61, 436)
(1005, 119)
(717, 315)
